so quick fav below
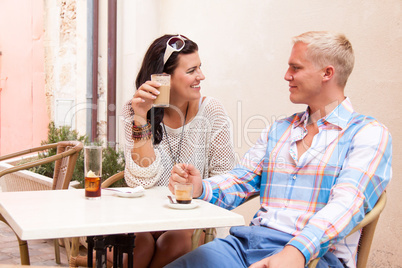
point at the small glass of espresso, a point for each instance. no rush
(183, 192)
(93, 171)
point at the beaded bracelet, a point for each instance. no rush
(143, 132)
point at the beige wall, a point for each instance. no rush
(244, 47)
(138, 24)
(65, 61)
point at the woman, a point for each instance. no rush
(193, 129)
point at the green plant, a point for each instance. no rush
(112, 163)
(112, 159)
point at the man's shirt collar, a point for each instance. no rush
(338, 117)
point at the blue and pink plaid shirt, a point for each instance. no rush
(321, 196)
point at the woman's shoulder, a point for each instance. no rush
(211, 106)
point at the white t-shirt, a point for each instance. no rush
(207, 144)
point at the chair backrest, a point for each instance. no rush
(368, 225)
(65, 160)
(112, 179)
(64, 167)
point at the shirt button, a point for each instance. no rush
(294, 177)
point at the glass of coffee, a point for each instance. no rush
(183, 192)
(162, 100)
(93, 171)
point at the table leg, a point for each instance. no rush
(130, 248)
(117, 254)
(90, 242)
(100, 249)
(123, 244)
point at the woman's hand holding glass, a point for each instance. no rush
(186, 173)
(143, 99)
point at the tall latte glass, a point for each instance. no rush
(162, 100)
(93, 171)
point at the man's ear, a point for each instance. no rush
(328, 73)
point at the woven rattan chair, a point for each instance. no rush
(17, 178)
(367, 225)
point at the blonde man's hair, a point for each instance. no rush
(326, 48)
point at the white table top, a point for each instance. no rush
(66, 213)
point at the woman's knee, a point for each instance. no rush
(144, 245)
(175, 237)
(144, 239)
(144, 250)
(175, 242)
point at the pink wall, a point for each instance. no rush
(23, 116)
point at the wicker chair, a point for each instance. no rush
(17, 178)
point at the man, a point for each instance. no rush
(318, 172)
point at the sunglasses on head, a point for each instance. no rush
(174, 44)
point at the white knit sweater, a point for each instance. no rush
(207, 144)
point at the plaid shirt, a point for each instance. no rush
(321, 196)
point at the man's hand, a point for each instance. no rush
(186, 173)
(288, 257)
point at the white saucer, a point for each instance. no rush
(127, 191)
(182, 206)
(129, 194)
